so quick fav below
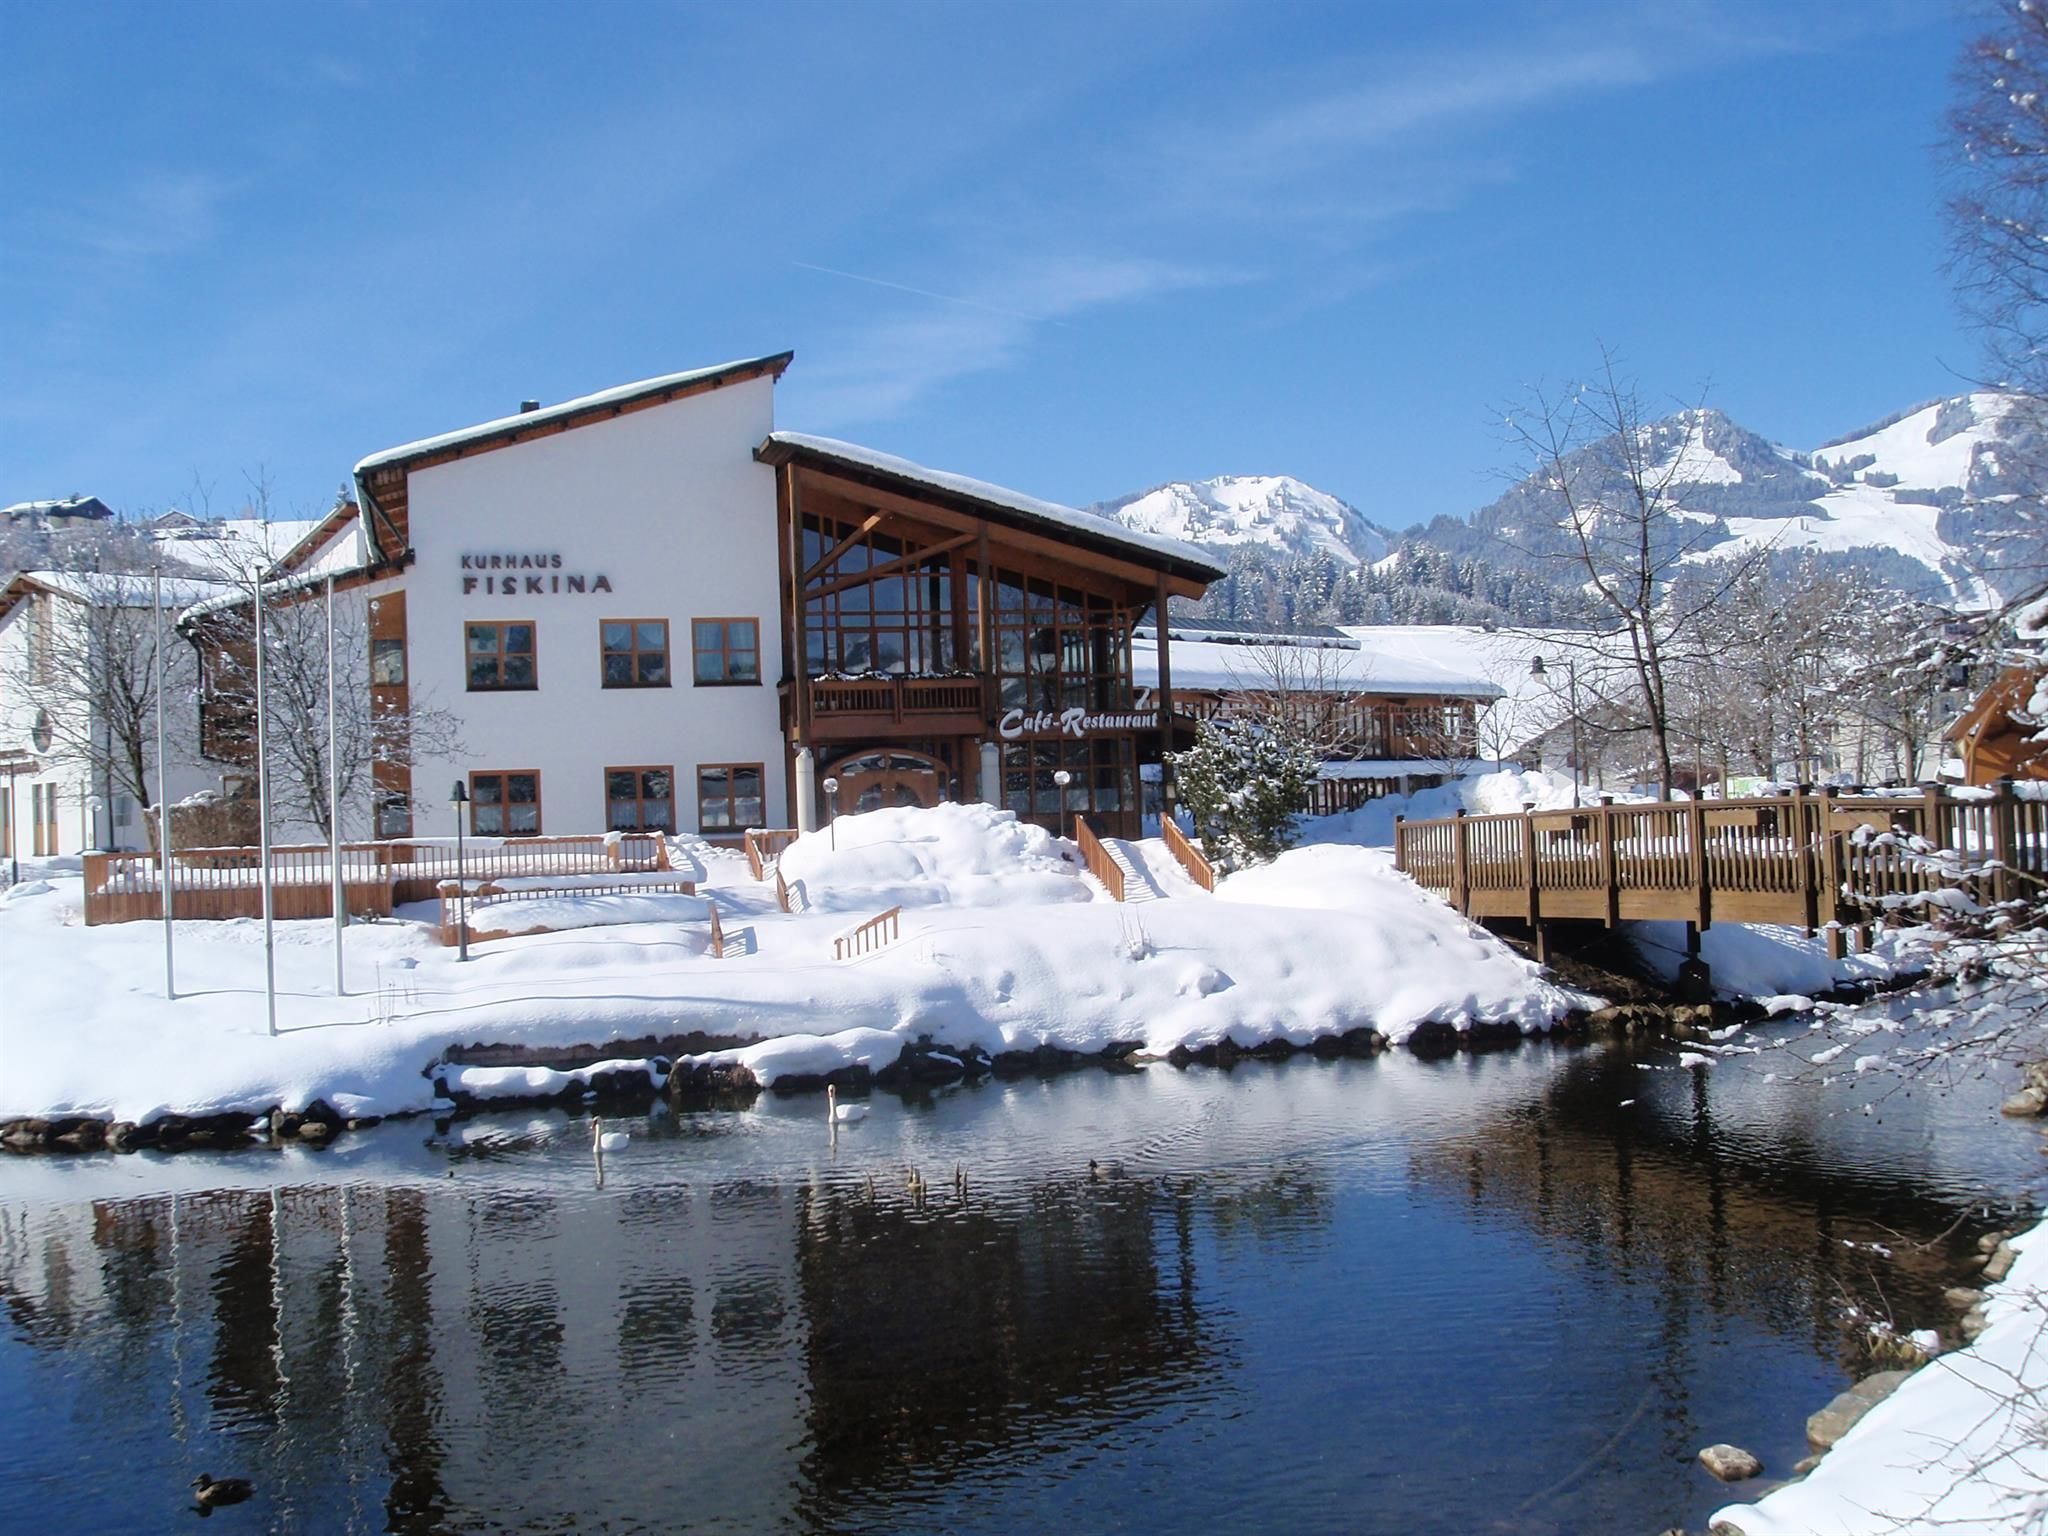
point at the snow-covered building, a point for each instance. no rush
(1384, 716)
(648, 607)
(57, 512)
(75, 656)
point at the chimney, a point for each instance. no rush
(527, 407)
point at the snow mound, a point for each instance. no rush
(947, 855)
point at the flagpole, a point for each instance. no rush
(334, 806)
(263, 829)
(163, 790)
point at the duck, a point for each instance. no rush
(608, 1141)
(842, 1114)
(209, 1492)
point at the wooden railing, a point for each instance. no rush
(221, 883)
(1097, 858)
(764, 847)
(460, 897)
(883, 928)
(1333, 797)
(1804, 859)
(897, 698)
(782, 890)
(1191, 858)
(717, 929)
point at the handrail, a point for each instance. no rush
(869, 935)
(1096, 857)
(1803, 858)
(1191, 858)
(225, 882)
(764, 846)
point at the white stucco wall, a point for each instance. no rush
(669, 506)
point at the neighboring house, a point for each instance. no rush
(1988, 743)
(59, 793)
(61, 512)
(1382, 719)
(651, 609)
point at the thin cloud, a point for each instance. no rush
(154, 216)
(879, 369)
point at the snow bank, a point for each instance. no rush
(946, 856)
(1769, 962)
(1957, 1448)
(1325, 940)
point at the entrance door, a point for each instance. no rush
(874, 781)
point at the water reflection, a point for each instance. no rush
(1510, 1293)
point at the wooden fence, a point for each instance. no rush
(1804, 859)
(462, 899)
(1096, 857)
(1191, 858)
(717, 930)
(764, 847)
(215, 883)
(883, 928)
(1333, 797)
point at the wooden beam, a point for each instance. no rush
(862, 531)
(888, 568)
(1140, 576)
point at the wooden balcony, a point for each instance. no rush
(844, 709)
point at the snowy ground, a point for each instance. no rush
(1957, 1449)
(1006, 944)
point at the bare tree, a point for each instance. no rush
(1610, 472)
(295, 694)
(87, 673)
(1304, 692)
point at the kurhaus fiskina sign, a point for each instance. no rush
(526, 576)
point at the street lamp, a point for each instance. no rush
(1062, 778)
(458, 801)
(831, 787)
(1571, 668)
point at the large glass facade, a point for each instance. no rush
(897, 621)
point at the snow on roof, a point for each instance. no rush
(617, 395)
(62, 506)
(1072, 519)
(1217, 667)
(126, 590)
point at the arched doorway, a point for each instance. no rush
(873, 781)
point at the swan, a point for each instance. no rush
(608, 1141)
(209, 1492)
(842, 1114)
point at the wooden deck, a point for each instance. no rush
(1794, 859)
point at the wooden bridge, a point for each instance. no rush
(1807, 859)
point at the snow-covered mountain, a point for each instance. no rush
(1916, 502)
(1276, 511)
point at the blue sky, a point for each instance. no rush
(1078, 249)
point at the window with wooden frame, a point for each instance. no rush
(501, 656)
(729, 797)
(505, 803)
(725, 652)
(635, 652)
(875, 603)
(640, 799)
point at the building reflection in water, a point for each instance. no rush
(1396, 1262)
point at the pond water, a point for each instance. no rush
(1512, 1292)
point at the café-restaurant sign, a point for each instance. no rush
(1018, 724)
